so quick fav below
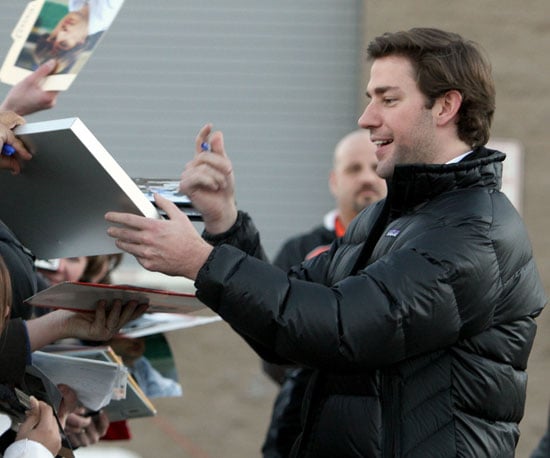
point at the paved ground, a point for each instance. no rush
(225, 407)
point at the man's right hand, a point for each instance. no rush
(209, 182)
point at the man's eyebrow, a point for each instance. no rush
(381, 90)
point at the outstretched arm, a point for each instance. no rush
(100, 326)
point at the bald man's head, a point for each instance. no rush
(353, 180)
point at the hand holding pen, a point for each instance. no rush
(13, 151)
(209, 182)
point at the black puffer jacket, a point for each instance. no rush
(419, 321)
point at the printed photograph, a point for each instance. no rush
(67, 30)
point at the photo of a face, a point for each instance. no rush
(68, 31)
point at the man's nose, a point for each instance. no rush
(370, 117)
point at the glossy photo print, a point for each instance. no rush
(65, 30)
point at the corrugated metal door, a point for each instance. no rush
(280, 79)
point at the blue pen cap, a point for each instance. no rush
(8, 150)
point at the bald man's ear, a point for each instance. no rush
(332, 182)
(446, 107)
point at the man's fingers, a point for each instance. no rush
(216, 141)
(126, 219)
(209, 176)
(202, 137)
(171, 209)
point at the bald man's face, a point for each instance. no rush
(353, 181)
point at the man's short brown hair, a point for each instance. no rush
(445, 61)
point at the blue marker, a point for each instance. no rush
(8, 150)
(205, 146)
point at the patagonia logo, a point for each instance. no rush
(393, 233)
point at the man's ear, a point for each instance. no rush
(446, 107)
(332, 182)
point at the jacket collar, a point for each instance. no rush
(414, 184)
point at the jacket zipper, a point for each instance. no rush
(391, 400)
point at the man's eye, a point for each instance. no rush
(389, 100)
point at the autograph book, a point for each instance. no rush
(95, 382)
(66, 30)
(135, 404)
(88, 370)
(59, 200)
(84, 297)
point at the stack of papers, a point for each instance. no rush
(92, 361)
(96, 383)
(155, 323)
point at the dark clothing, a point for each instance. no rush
(418, 322)
(20, 264)
(285, 425)
(296, 249)
(14, 340)
(543, 448)
(14, 352)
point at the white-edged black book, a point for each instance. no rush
(56, 205)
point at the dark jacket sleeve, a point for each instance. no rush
(244, 236)
(14, 352)
(401, 305)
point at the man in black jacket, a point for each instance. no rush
(420, 320)
(355, 185)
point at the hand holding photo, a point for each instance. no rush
(65, 30)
